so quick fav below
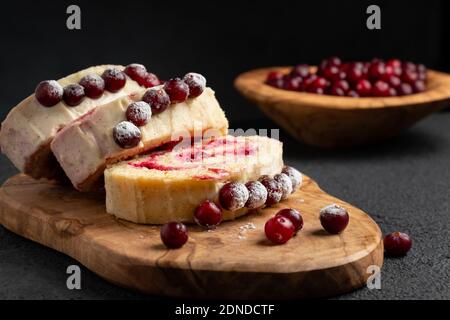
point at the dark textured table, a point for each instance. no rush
(403, 184)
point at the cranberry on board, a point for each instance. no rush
(158, 99)
(174, 235)
(294, 216)
(196, 83)
(233, 196)
(126, 135)
(48, 93)
(334, 218)
(208, 214)
(93, 85)
(139, 113)
(177, 90)
(73, 94)
(397, 244)
(377, 70)
(114, 79)
(279, 229)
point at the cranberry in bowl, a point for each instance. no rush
(346, 103)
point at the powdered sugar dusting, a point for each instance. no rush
(244, 228)
(257, 195)
(332, 209)
(286, 184)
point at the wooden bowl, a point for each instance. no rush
(330, 121)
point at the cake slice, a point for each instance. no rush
(130, 126)
(170, 184)
(29, 128)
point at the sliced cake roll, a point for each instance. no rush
(29, 128)
(135, 124)
(170, 184)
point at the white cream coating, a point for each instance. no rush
(85, 146)
(30, 126)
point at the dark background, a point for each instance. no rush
(402, 183)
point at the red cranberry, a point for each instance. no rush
(376, 70)
(174, 235)
(364, 88)
(334, 218)
(274, 192)
(257, 195)
(380, 89)
(49, 93)
(392, 92)
(139, 113)
(177, 90)
(340, 88)
(294, 216)
(196, 83)
(279, 83)
(409, 76)
(73, 94)
(279, 229)
(331, 72)
(409, 66)
(393, 81)
(421, 68)
(332, 61)
(317, 85)
(419, 86)
(353, 94)
(137, 72)
(294, 175)
(151, 80)
(208, 214)
(336, 91)
(292, 83)
(274, 76)
(301, 70)
(397, 244)
(405, 89)
(126, 134)
(114, 79)
(394, 63)
(285, 183)
(93, 85)
(355, 72)
(158, 100)
(233, 196)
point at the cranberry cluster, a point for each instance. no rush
(50, 92)
(287, 222)
(127, 134)
(233, 196)
(376, 78)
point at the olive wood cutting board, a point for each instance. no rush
(231, 261)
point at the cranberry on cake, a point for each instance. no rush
(133, 125)
(30, 127)
(173, 184)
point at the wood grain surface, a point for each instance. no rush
(330, 121)
(224, 263)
